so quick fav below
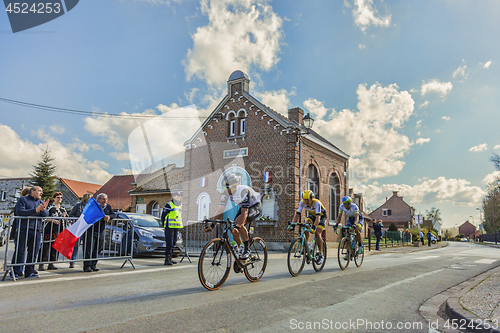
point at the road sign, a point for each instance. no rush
(419, 219)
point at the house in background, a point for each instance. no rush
(395, 210)
(117, 189)
(152, 191)
(468, 229)
(72, 190)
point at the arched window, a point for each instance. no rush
(155, 209)
(334, 189)
(312, 180)
(203, 202)
(242, 116)
(232, 126)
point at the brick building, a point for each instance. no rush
(152, 191)
(468, 229)
(395, 210)
(72, 190)
(267, 150)
(117, 189)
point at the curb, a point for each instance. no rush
(456, 311)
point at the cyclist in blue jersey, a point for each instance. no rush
(353, 216)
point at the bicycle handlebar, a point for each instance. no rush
(291, 226)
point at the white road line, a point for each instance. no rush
(426, 257)
(86, 277)
(485, 261)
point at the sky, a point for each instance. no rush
(409, 89)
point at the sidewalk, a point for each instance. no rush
(472, 306)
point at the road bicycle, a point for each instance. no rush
(299, 252)
(349, 248)
(215, 258)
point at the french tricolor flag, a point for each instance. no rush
(66, 240)
(267, 177)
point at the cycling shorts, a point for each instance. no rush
(311, 219)
(253, 212)
(352, 219)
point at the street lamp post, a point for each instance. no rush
(308, 124)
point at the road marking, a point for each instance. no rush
(485, 261)
(427, 257)
(97, 275)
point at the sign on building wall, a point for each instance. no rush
(232, 153)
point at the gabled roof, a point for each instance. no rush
(79, 188)
(280, 119)
(117, 190)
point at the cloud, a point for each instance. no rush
(421, 141)
(479, 148)
(446, 118)
(19, 156)
(278, 100)
(424, 105)
(496, 147)
(492, 177)
(365, 15)
(370, 134)
(434, 85)
(486, 65)
(418, 124)
(120, 156)
(361, 46)
(460, 71)
(239, 34)
(459, 192)
(56, 129)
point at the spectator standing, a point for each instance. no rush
(95, 234)
(422, 237)
(377, 228)
(29, 234)
(429, 236)
(13, 230)
(51, 230)
(76, 211)
(172, 222)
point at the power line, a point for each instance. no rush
(86, 113)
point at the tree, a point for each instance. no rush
(393, 227)
(491, 203)
(44, 175)
(433, 215)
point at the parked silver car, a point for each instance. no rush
(149, 235)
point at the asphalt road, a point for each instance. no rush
(382, 295)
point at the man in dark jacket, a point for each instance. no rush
(76, 211)
(94, 236)
(30, 230)
(377, 228)
(429, 236)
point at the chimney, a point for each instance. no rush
(296, 114)
(394, 193)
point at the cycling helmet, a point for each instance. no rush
(230, 180)
(347, 199)
(307, 194)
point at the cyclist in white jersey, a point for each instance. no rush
(354, 218)
(249, 205)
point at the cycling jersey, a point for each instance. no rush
(351, 212)
(316, 208)
(244, 197)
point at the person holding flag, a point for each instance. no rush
(92, 213)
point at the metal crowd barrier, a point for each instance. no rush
(113, 242)
(195, 238)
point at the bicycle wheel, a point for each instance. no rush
(358, 259)
(343, 253)
(317, 267)
(214, 264)
(296, 257)
(256, 264)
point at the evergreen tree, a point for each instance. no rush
(393, 227)
(44, 175)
